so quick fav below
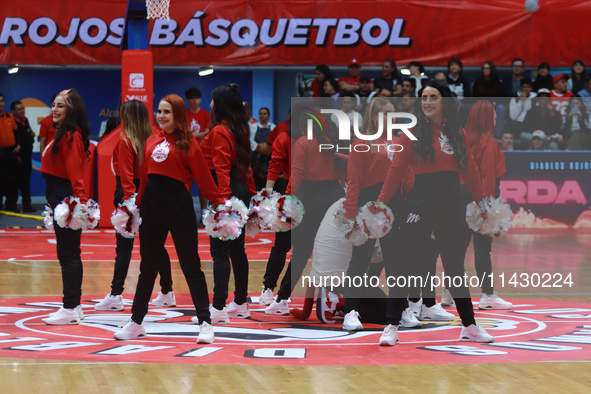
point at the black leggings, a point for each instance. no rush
(124, 249)
(433, 205)
(67, 242)
(168, 206)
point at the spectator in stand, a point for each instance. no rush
(507, 141)
(542, 117)
(46, 130)
(559, 94)
(112, 124)
(488, 84)
(261, 150)
(389, 78)
(538, 141)
(586, 93)
(9, 150)
(364, 94)
(27, 139)
(417, 72)
(578, 77)
(323, 74)
(576, 125)
(197, 117)
(520, 106)
(348, 101)
(332, 89)
(458, 83)
(408, 87)
(441, 77)
(248, 111)
(512, 84)
(350, 83)
(544, 79)
(385, 93)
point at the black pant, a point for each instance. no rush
(317, 197)
(8, 178)
(168, 206)
(124, 249)
(24, 176)
(67, 242)
(433, 205)
(222, 252)
(427, 269)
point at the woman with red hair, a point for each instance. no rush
(172, 160)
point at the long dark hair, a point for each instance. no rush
(423, 148)
(228, 108)
(489, 87)
(76, 117)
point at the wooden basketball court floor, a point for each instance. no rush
(542, 250)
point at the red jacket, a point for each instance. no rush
(220, 152)
(490, 160)
(163, 158)
(46, 129)
(126, 165)
(280, 157)
(68, 163)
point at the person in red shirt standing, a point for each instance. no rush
(197, 117)
(434, 205)
(127, 157)
(62, 165)
(172, 161)
(46, 130)
(227, 149)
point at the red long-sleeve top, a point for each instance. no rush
(365, 169)
(126, 165)
(280, 157)
(46, 129)
(490, 160)
(220, 152)
(161, 157)
(280, 128)
(68, 162)
(444, 161)
(310, 164)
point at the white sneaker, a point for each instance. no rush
(217, 316)
(435, 313)
(352, 322)
(167, 299)
(63, 317)
(130, 330)
(206, 334)
(78, 310)
(493, 301)
(415, 307)
(110, 303)
(390, 336)
(447, 299)
(239, 311)
(409, 320)
(278, 308)
(475, 333)
(266, 297)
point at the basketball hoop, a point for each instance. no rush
(158, 9)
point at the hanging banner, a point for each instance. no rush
(137, 77)
(231, 33)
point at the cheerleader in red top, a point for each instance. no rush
(227, 149)
(315, 181)
(127, 158)
(491, 162)
(62, 165)
(433, 205)
(280, 163)
(366, 172)
(172, 160)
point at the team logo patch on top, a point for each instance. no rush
(445, 145)
(195, 126)
(532, 331)
(161, 151)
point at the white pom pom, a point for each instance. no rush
(376, 219)
(356, 235)
(48, 218)
(531, 5)
(126, 218)
(63, 212)
(490, 217)
(262, 211)
(71, 214)
(290, 212)
(93, 214)
(226, 220)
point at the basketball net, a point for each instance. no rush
(158, 9)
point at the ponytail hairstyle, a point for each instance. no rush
(480, 124)
(135, 127)
(423, 148)
(76, 118)
(228, 109)
(183, 138)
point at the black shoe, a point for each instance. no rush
(13, 209)
(29, 209)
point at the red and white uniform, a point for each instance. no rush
(220, 152)
(161, 157)
(68, 163)
(46, 129)
(560, 101)
(444, 161)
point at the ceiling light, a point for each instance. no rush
(205, 71)
(13, 69)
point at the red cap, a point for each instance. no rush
(353, 62)
(559, 77)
